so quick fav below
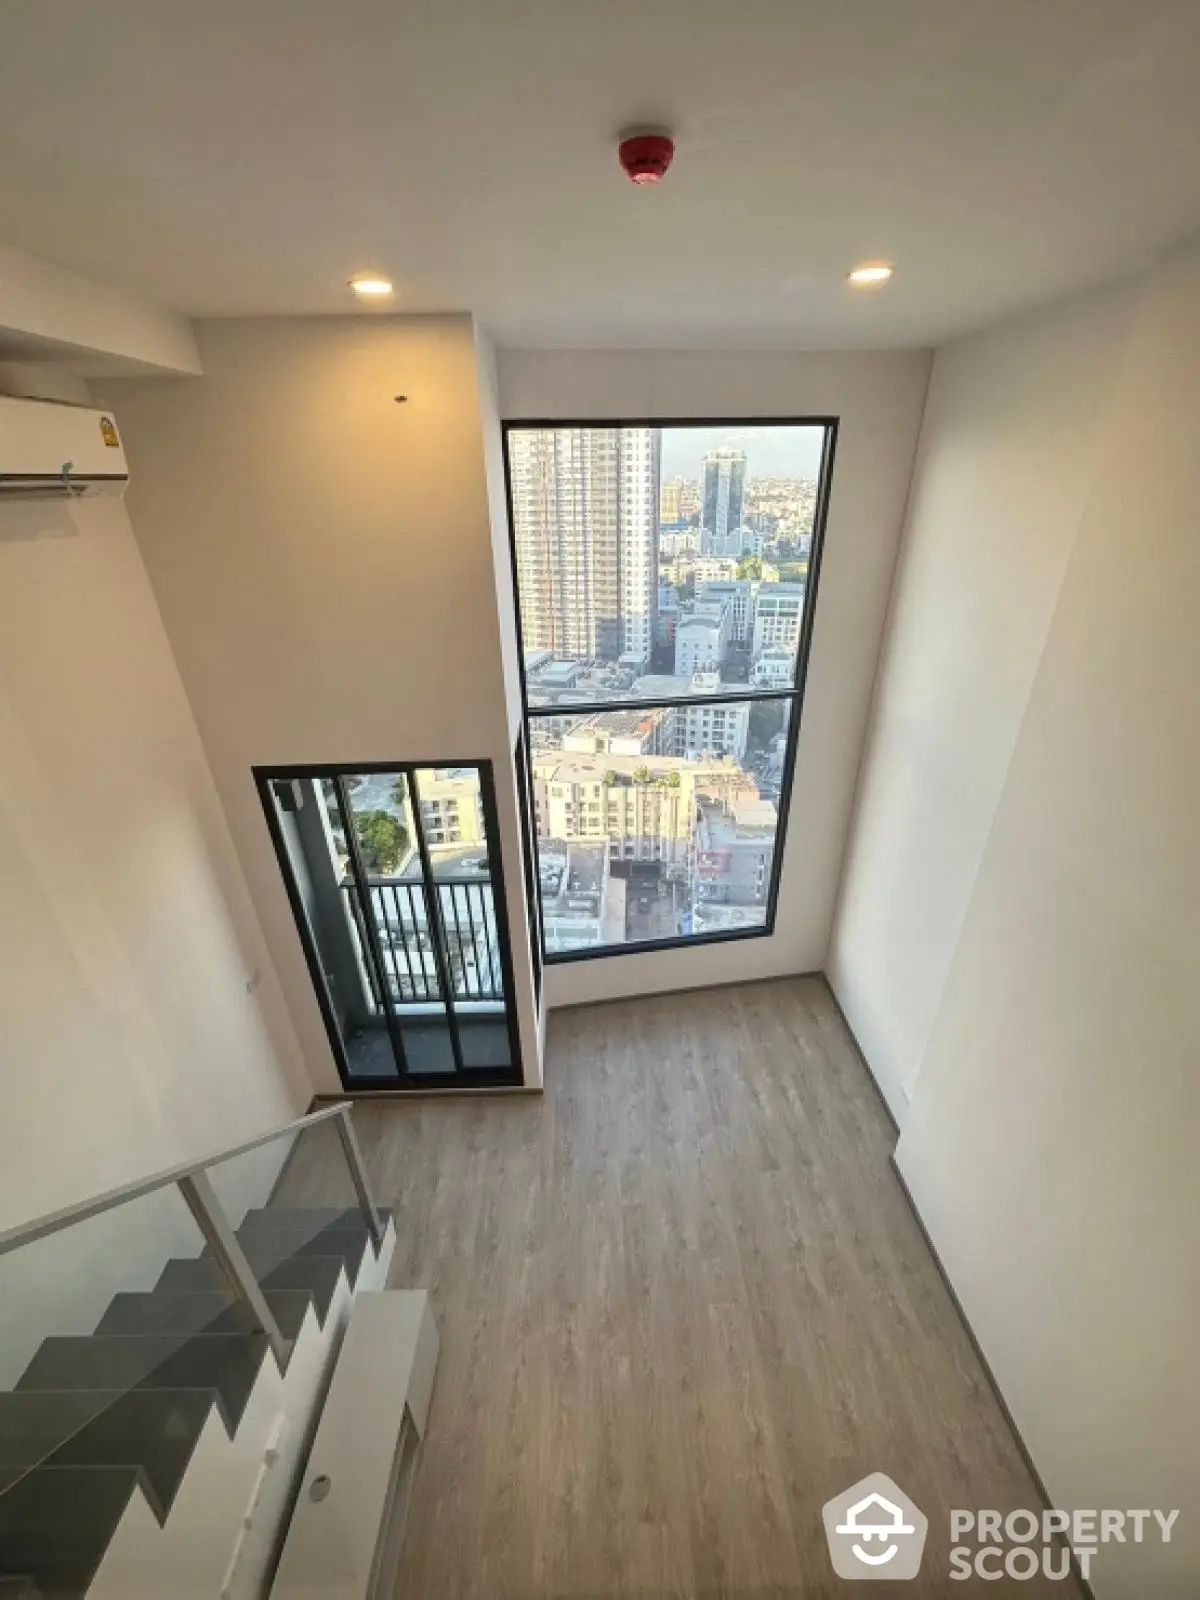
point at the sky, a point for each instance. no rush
(771, 452)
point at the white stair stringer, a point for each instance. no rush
(226, 1522)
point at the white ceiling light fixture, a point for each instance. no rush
(370, 286)
(870, 274)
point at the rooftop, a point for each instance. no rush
(751, 822)
(572, 878)
(451, 861)
(622, 724)
(708, 917)
(558, 674)
(681, 685)
(566, 767)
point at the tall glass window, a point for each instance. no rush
(666, 576)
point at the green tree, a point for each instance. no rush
(750, 567)
(382, 839)
(672, 780)
(793, 571)
(641, 774)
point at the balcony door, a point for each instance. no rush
(394, 877)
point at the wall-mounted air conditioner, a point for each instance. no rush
(51, 451)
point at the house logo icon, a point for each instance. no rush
(875, 1531)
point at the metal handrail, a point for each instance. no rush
(461, 881)
(56, 1221)
(191, 1179)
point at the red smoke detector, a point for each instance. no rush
(646, 156)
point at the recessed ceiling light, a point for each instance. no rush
(870, 274)
(369, 286)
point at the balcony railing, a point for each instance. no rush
(406, 940)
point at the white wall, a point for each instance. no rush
(1050, 1142)
(514, 840)
(323, 559)
(105, 329)
(1003, 469)
(878, 399)
(127, 939)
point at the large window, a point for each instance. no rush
(666, 575)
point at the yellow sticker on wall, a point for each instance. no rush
(108, 432)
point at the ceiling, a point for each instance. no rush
(240, 157)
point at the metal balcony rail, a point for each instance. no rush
(192, 1180)
(467, 913)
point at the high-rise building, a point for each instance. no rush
(739, 594)
(724, 492)
(644, 806)
(702, 639)
(678, 500)
(778, 614)
(585, 524)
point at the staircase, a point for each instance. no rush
(137, 1459)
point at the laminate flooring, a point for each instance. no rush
(682, 1303)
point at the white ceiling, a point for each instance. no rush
(246, 156)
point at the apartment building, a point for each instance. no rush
(735, 847)
(740, 595)
(585, 533)
(778, 614)
(450, 809)
(623, 733)
(689, 725)
(773, 668)
(702, 639)
(644, 806)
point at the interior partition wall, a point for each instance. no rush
(394, 876)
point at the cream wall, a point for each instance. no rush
(96, 328)
(1050, 1142)
(323, 559)
(878, 398)
(142, 1020)
(1004, 467)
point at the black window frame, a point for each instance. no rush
(793, 697)
(462, 1077)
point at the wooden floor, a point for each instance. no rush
(682, 1303)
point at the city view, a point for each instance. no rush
(662, 576)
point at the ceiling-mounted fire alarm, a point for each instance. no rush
(646, 156)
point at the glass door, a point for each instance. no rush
(394, 877)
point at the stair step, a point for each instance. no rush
(214, 1311)
(33, 1423)
(317, 1275)
(224, 1364)
(268, 1245)
(56, 1524)
(319, 1217)
(155, 1429)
